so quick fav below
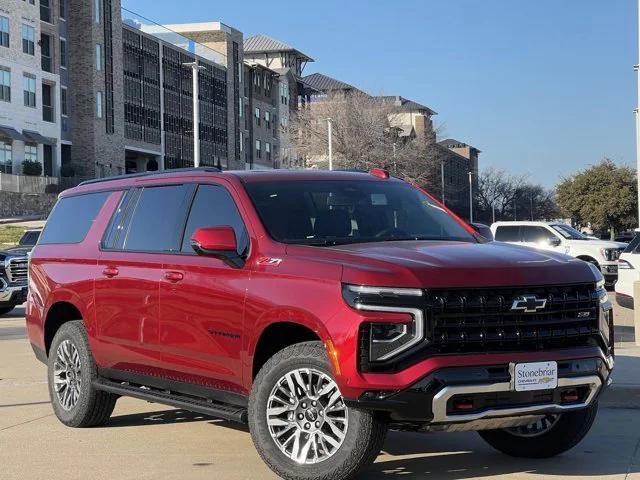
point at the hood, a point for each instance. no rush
(452, 264)
(599, 243)
(15, 252)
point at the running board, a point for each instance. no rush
(224, 411)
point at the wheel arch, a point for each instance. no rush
(59, 313)
(589, 258)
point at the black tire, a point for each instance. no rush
(93, 407)
(5, 310)
(364, 435)
(565, 434)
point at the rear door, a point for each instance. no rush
(146, 226)
(202, 300)
(629, 267)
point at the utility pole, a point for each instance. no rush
(531, 209)
(395, 164)
(470, 197)
(330, 139)
(493, 211)
(195, 68)
(442, 179)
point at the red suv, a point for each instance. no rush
(322, 308)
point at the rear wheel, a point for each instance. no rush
(300, 424)
(71, 372)
(547, 437)
(5, 310)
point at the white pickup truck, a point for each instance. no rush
(563, 238)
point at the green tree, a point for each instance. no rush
(603, 196)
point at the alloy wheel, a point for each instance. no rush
(67, 377)
(306, 416)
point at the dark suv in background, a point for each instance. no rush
(321, 308)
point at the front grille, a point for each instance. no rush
(17, 270)
(483, 320)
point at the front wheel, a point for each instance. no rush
(547, 437)
(300, 424)
(72, 370)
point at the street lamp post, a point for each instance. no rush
(442, 180)
(330, 140)
(196, 110)
(470, 197)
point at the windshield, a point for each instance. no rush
(340, 212)
(569, 232)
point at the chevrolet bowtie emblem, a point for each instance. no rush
(528, 303)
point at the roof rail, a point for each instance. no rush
(149, 174)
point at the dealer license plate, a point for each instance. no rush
(535, 376)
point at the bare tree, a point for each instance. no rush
(497, 190)
(365, 136)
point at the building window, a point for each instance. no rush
(32, 2)
(45, 53)
(29, 87)
(257, 116)
(241, 105)
(6, 162)
(267, 149)
(258, 147)
(63, 9)
(5, 84)
(98, 57)
(99, 104)
(64, 107)
(4, 32)
(31, 152)
(267, 119)
(97, 7)
(28, 39)
(63, 53)
(45, 11)
(240, 69)
(241, 141)
(47, 102)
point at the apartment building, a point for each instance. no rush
(30, 87)
(261, 147)
(289, 64)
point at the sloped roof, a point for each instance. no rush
(406, 105)
(264, 43)
(453, 143)
(326, 84)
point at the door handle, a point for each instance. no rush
(110, 272)
(174, 276)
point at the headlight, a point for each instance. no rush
(385, 340)
(610, 254)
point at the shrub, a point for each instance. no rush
(31, 168)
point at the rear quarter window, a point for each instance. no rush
(72, 217)
(506, 233)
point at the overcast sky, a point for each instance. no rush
(543, 87)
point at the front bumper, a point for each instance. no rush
(487, 394)
(12, 294)
(609, 272)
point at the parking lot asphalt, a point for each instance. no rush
(150, 441)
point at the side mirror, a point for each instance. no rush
(555, 242)
(483, 230)
(218, 242)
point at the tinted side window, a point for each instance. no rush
(214, 207)
(508, 233)
(633, 245)
(158, 219)
(72, 217)
(536, 234)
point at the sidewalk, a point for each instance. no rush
(625, 390)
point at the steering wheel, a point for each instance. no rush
(392, 232)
